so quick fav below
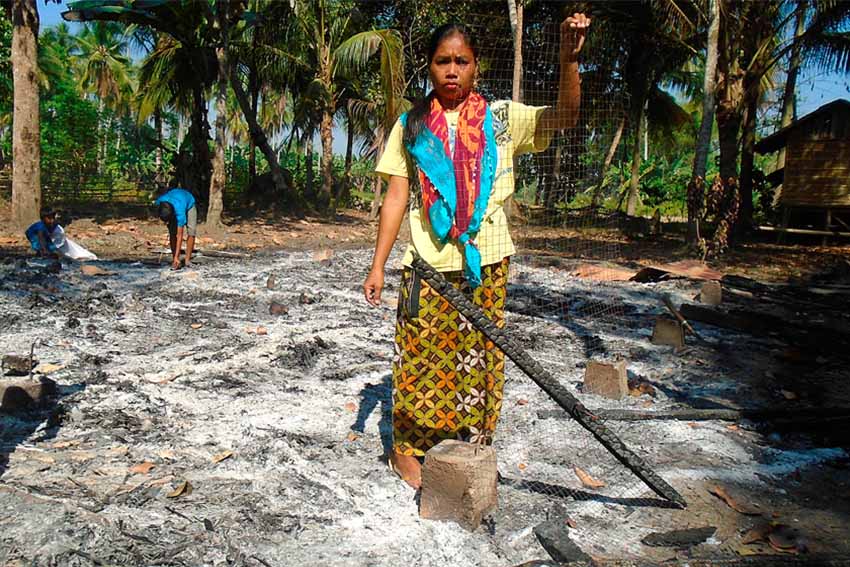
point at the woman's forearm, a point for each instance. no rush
(565, 113)
(392, 214)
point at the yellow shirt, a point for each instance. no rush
(515, 125)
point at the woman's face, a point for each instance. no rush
(452, 71)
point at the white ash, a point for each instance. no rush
(141, 384)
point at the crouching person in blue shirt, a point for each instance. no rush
(39, 234)
(177, 209)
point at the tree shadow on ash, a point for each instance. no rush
(19, 426)
(557, 491)
(371, 396)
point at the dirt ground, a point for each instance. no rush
(196, 425)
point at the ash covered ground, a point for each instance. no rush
(278, 423)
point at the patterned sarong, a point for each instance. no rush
(447, 377)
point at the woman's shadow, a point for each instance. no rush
(371, 396)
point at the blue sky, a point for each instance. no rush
(814, 88)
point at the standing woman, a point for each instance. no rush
(451, 157)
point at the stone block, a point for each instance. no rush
(608, 380)
(668, 332)
(16, 395)
(459, 483)
(711, 293)
(15, 365)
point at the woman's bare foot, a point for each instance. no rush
(407, 467)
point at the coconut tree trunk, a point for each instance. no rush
(101, 137)
(789, 99)
(377, 184)
(309, 182)
(728, 126)
(219, 175)
(261, 140)
(199, 136)
(709, 86)
(254, 93)
(748, 142)
(609, 157)
(26, 146)
(157, 124)
(515, 10)
(634, 182)
(326, 200)
(344, 188)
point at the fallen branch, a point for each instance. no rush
(547, 382)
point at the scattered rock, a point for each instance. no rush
(305, 299)
(271, 283)
(276, 308)
(15, 365)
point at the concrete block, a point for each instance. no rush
(609, 380)
(16, 395)
(711, 293)
(668, 332)
(458, 483)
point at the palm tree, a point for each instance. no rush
(697, 184)
(751, 43)
(26, 151)
(105, 72)
(333, 50)
(57, 46)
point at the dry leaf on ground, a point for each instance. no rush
(196, 325)
(183, 489)
(142, 468)
(785, 539)
(352, 436)
(522, 466)
(351, 406)
(89, 270)
(587, 480)
(47, 368)
(218, 457)
(734, 502)
(521, 402)
(789, 395)
(757, 533)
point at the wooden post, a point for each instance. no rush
(786, 218)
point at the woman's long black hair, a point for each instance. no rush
(417, 113)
